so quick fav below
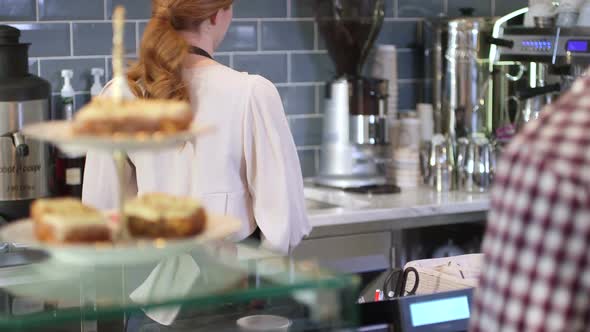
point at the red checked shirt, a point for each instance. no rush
(536, 273)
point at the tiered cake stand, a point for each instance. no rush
(125, 250)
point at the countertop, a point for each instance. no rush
(328, 207)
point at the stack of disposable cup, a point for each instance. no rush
(405, 169)
(385, 67)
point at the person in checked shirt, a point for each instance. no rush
(536, 273)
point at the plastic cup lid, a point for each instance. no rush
(264, 323)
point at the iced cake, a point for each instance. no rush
(105, 116)
(67, 220)
(159, 215)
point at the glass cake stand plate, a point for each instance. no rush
(61, 134)
(134, 251)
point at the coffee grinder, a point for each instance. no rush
(355, 138)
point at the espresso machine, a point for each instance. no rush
(551, 58)
(355, 137)
(24, 99)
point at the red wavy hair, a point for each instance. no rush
(158, 72)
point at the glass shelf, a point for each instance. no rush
(209, 289)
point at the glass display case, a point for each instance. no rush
(212, 288)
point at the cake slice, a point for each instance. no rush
(105, 116)
(67, 220)
(157, 215)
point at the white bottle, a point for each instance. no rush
(71, 166)
(96, 88)
(67, 94)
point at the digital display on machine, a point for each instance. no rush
(577, 46)
(539, 44)
(439, 311)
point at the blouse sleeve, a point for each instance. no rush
(100, 185)
(273, 171)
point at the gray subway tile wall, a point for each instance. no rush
(275, 38)
(260, 9)
(55, 10)
(307, 131)
(288, 35)
(298, 99)
(307, 158)
(420, 8)
(47, 39)
(34, 66)
(241, 36)
(272, 66)
(18, 10)
(135, 9)
(97, 38)
(504, 6)
(302, 8)
(311, 67)
(479, 7)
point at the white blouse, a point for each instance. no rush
(247, 167)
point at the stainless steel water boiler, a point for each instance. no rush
(467, 84)
(458, 52)
(24, 99)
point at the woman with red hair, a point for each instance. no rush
(248, 167)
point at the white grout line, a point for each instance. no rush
(276, 52)
(289, 14)
(295, 84)
(38, 67)
(71, 57)
(37, 10)
(106, 15)
(445, 6)
(280, 52)
(216, 53)
(275, 19)
(493, 9)
(72, 39)
(76, 93)
(304, 116)
(70, 21)
(395, 8)
(404, 19)
(308, 83)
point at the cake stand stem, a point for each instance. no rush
(120, 158)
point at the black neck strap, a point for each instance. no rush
(199, 51)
